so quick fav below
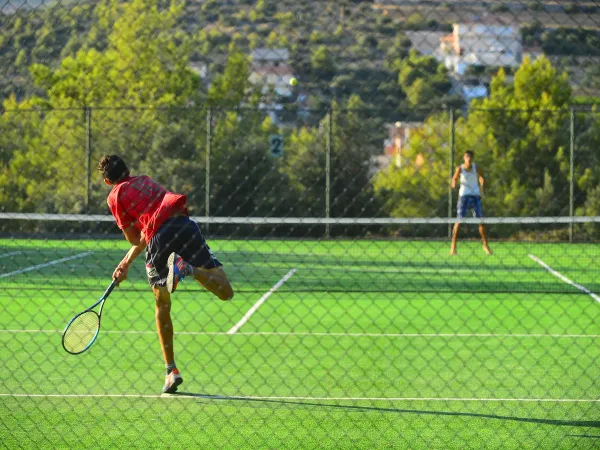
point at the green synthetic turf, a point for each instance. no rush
(366, 320)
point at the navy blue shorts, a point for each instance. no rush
(467, 202)
(182, 236)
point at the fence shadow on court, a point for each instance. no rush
(366, 409)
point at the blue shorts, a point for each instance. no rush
(182, 236)
(467, 202)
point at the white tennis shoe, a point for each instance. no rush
(172, 380)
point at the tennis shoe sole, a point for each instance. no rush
(174, 276)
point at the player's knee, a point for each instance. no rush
(161, 296)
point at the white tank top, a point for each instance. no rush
(469, 181)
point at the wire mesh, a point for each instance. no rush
(315, 143)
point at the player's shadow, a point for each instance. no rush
(365, 409)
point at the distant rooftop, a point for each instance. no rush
(271, 54)
(274, 70)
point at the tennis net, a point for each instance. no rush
(386, 255)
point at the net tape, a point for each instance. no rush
(320, 220)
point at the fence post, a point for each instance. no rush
(571, 172)
(451, 167)
(88, 162)
(207, 167)
(328, 149)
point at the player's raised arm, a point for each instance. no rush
(455, 177)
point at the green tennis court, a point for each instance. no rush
(362, 344)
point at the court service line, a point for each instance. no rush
(307, 398)
(40, 266)
(563, 278)
(260, 301)
(333, 334)
(6, 255)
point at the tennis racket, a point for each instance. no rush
(81, 332)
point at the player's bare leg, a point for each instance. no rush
(164, 324)
(215, 281)
(164, 327)
(483, 233)
(455, 232)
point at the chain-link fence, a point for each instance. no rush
(315, 143)
(347, 164)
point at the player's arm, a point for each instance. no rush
(455, 177)
(481, 178)
(138, 244)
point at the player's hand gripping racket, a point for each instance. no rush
(81, 332)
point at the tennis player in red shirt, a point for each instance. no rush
(157, 220)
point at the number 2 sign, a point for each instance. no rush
(276, 142)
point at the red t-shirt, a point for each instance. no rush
(144, 204)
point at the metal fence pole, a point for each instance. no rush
(571, 172)
(88, 163)
(207, 166)
(451, 167)
(328, 168)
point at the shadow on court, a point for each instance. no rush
(367, 409)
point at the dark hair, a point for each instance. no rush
(113, 168)
(470, 153)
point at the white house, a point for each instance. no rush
(482, 44)
(275, 77)
(271, 69)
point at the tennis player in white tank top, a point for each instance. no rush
(469, 197)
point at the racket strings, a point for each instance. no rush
(81, 332)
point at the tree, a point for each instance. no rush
(520, 136)
(266, 7)
(418, 186)
(322, 63)
(245, 179)
(229, 88)
(304, 165)
(424, 81)
(145, 65)
(355, 142)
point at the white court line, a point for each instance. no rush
(336, 399)
(563, 278)
(357, 335)
(51, 263)
(405, 270)
(259, 302)
(417, 271)
(6, 255)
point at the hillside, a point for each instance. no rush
(362, 43)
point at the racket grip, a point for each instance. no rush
(110, 289)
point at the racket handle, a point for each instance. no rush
(110, 289)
